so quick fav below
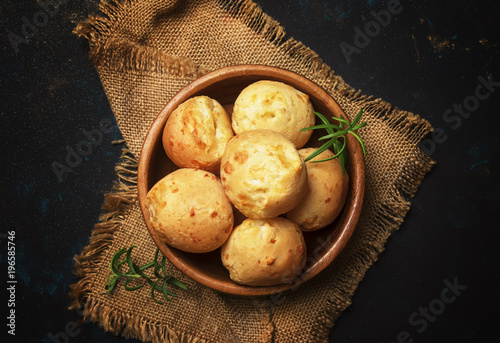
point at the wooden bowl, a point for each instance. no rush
(224, 85)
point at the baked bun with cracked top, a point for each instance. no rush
(189, 210)
(196, 133)
(326, 192)
(275, 106)
(264, 252)
(262, 173)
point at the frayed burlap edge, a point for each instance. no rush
(123, 54)
(117, 204)
(126, 55)
(387, 220)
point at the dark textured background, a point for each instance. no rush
(427, 59)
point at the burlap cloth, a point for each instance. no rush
(146, 51)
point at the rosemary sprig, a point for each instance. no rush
(336, 137)
(136, 274)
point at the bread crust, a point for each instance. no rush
(327, 190)
(262, 173)
(190, 211)
(196, 134)
(275, 106)
(264, 252)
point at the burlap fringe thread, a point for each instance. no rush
(128, 55)
(117, 204)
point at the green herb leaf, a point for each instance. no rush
(110, 283)
(163, 268)
(319, 150)
(129, 259)
(134, 288)
(166, 293)
(333, 135)
(358, 117)
(136, 274)
(153, 292)
(329, 129)
(173, 281)
(115, 263)
(336, 137)
(360, 141)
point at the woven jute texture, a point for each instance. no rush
(146, 51)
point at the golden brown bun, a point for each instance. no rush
(262, 173)
(264, 252)
(326, 194)
(275, 106)
(196, 133)
(189, 210)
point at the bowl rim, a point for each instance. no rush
(356, 173)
